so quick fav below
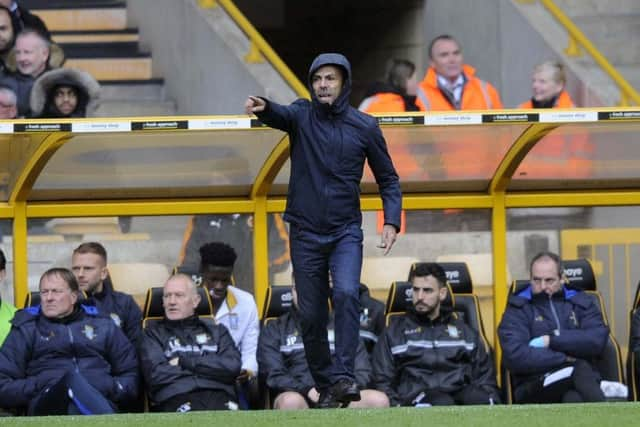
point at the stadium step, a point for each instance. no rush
(131, 108)
(144, 90)
(104, 36)
(95, 38)
(81, 15)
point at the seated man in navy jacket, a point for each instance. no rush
(63, 358)
(89, 265)
(549, 335)
(188, 363)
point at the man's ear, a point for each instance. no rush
(196, 300)
(443, 293)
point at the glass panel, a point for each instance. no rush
(235, 230)
(432, 235)
(583, 156)
(279, 259)
(142, 251)
(608, 236)
(180, 164)
(439, 158)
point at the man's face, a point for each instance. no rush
(216, 280)
(545, 277)
(179, 298)
(90, 271)
(31, 55)
(8, 109)
(66, 99)
(446, 59)
(6, 30)
(6, 3)
(427, 295)
(57, 298)
(327, 83)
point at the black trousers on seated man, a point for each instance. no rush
(200, 400)
(469, 395)
(582, 385)
(71, 395)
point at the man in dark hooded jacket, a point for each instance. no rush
(550, 336)
(330, 141)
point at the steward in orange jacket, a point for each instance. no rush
(563, 154)
(476, 93)
(563, 100)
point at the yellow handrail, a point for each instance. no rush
(257, 41)
(627, 92)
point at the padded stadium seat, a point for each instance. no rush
(153, 309)
(579, 274)
(277, 302)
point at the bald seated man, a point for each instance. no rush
(189, 362)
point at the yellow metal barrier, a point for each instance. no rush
(577, 39)
(258, 45)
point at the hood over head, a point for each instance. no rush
(88, 89)
(342, 102)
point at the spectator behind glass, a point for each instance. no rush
(450, 84)
(64, 93)
(22, 18)
(32, 54)
(547, 85)
(8, 101)
(397, 94)
(7, 37)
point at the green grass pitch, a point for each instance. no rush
(606, 414)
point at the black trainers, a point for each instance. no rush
(339, 395)
(346, 391)
(327, 400)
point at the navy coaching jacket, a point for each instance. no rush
(570, 318)
(39, 351)
(329, 145)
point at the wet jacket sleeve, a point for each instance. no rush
(384, 371)
(272, 364)
(517, 355)
(16, 388)
(587, 341)
(283, 117)
(386, 177)
(223, 365)
(123, 359)
(156, 369)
